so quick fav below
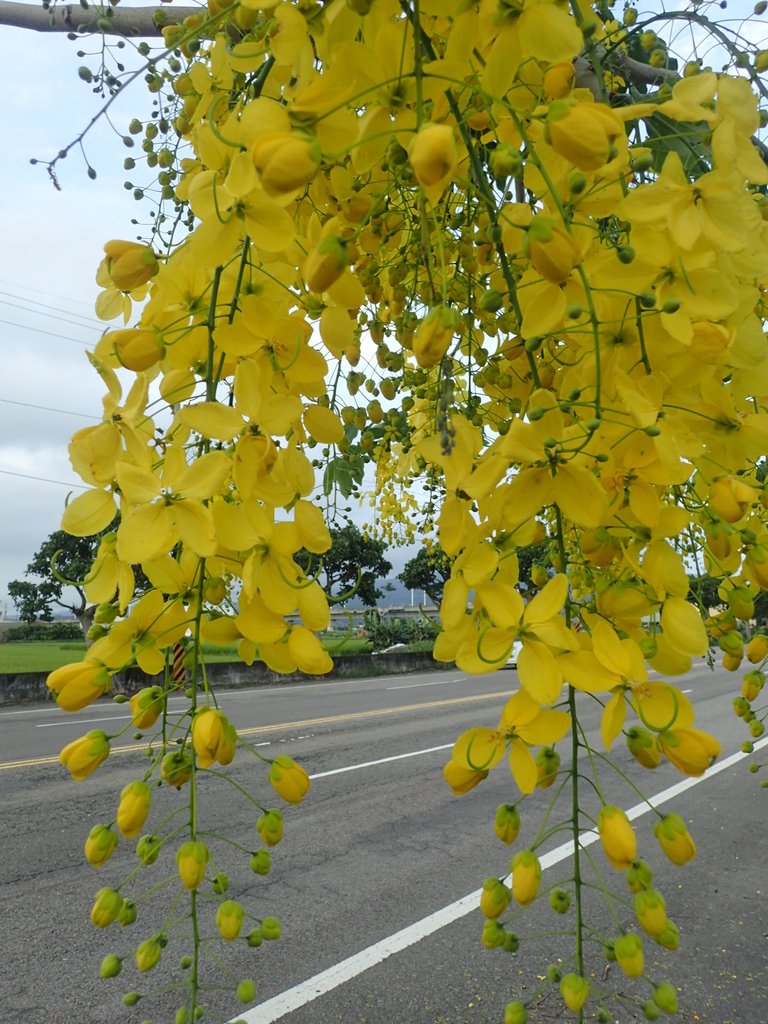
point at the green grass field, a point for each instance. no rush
(44, 656)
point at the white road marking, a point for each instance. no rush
(91, 721)
(381, 760)
(306, 991)
(412, 686)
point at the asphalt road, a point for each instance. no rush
(371, 878)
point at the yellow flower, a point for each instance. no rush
(84, 755)
(132, 811)
(289, 780)
(78, 685)
(136, 349)
(526, 877)
(106, 907)
(100, 845)
(629, 954)
(130, 264)
(574, 989)
(523, 723)
(192, 861)
(675, 839)
(730, 498)
(146, 706)
(229, 919)
(616, 836)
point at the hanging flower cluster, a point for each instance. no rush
(456, 242)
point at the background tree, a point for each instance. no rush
(352, 566)
(60, 557)
(428, 571)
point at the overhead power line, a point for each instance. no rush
(42, 479)
(51, 334)
(48, 408)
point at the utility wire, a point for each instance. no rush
(43, 479)
(50, 316)
(51, 334)
(47, 408)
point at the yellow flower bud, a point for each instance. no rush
(146, 706)
(629, 954)
(84, 755)
(526, 877)
(757, 648)
(435, 335)
(669, 937)
(213, 737)
(148, 849)
(191, 861)
(551, 250)
(285, 162)
(325, 264)
(691, 751)
(639, 876)
(507, 823)
(137, 348)
(574, 989)
(752, 684)
(558, 80)
(730, 498)
(732, 643)
(462, 779)
(665, 997)
(78, 685)
(270, 827)
(493, 934)
(494, 898)
(651, 911)
(106, 907)
(433, 157)
(584, 133)
(100, 845)
(547, 767)
(229, 919)
(643, 747)
(616, 836)
(133, 808)
(128, 913)
(515, 1013)
(176, 768)
(289, 780)
(130, 264)
(148, 954)
(675, 839)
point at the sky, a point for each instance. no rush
(52, 246)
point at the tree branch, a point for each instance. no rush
(106, 20)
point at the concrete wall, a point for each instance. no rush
(30, 686)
